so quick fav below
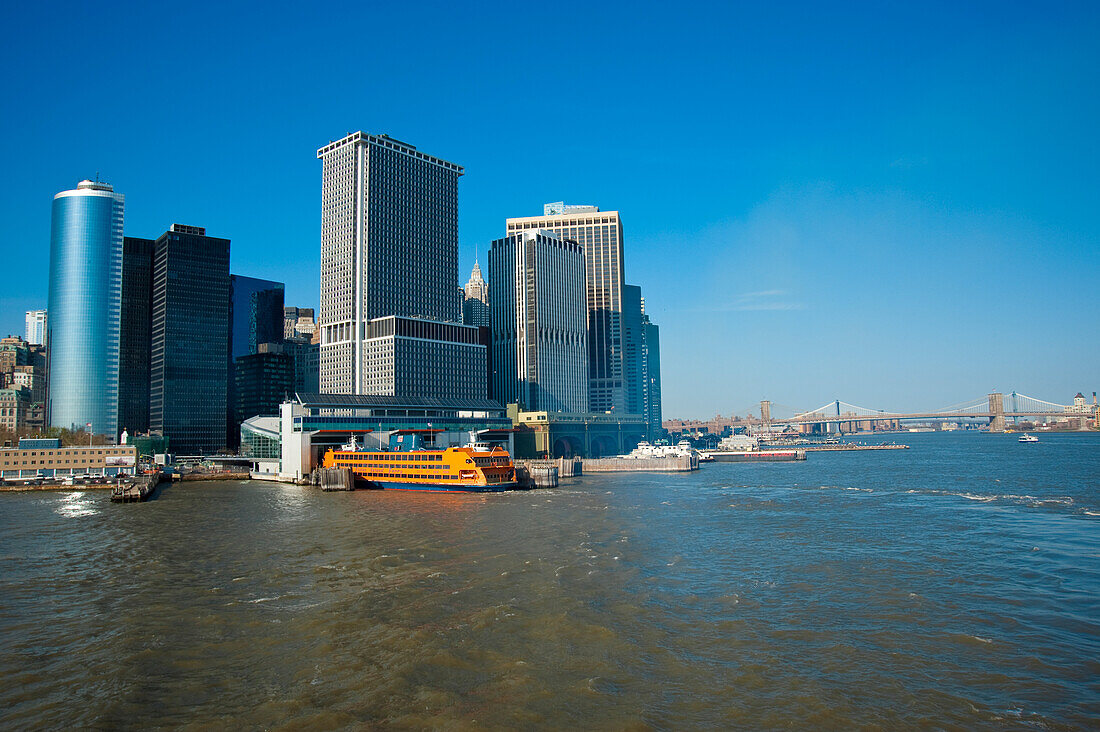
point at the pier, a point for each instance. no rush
(140, 489)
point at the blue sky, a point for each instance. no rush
(894, 206)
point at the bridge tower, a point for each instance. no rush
(766, 415)
(997, 412)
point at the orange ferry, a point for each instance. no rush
(475, 468)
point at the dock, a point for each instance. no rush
(139, 489)
(678, 464)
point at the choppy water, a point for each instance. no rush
(955, 585)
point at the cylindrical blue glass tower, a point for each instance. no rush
(82, 333)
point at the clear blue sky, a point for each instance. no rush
(894, 206)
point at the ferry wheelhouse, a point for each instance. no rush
(475, 468)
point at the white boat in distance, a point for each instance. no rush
(1028, 438)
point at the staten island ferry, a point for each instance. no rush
(475, 468)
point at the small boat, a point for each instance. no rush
(1028, 438)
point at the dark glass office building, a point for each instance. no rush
(255, 313)
(134, 334)
(255, 317)
(264, 380)
(633, 368)
(188, 372)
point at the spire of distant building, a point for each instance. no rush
(475, 309)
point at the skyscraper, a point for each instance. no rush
(82, 332)
(539, 328)
(135, 334)
(255, 318)
(633, 363)
(651, 359)
(190, 339)
(389, 246)
(255, 314)
(600, 234)
(475, 308)
(36, 327)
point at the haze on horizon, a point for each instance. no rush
(894, 206)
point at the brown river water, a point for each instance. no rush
(951, 586)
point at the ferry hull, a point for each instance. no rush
(437, 487)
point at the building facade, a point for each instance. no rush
(633, 363)
(600, 234)
(651, 360)
(135, 335)
(47, 459)
(264, 380)
(475, 304)
(299, 322)
(188, 372)
(255, 314)
(85, 294)
(538, 330)
(389, 247)
(413, 357)
(36, 327)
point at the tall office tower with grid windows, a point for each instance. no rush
(600, 234)
(389, 247)
(539, 330)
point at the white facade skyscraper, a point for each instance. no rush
(475, 308)
(600, 234)
(36, 327)
(389, 247)
(539, 328)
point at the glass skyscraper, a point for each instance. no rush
(188, 370)
(82, 331)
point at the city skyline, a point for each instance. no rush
(902, 237)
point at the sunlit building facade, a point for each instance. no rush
(85, 292)
(538, 331)
(389, 247)
(600, 235)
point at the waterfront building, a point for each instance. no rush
(85, 293)
(190, 340)
(538, 331)
(475, 295)
(413, 357)
(310, 424)
(46, 458)
(135, 334)
(600, 234)
(36, 327)
(540, 434)
(389, 247)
